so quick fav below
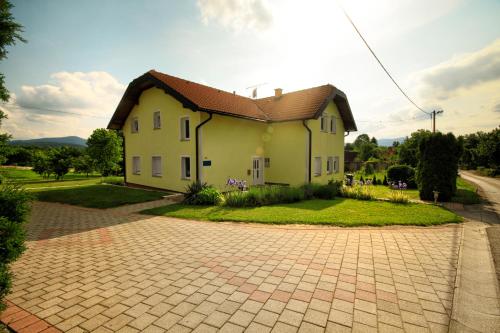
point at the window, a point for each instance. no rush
(136, 165)
(135, 125)
(156, 166)
(333, 125)
(185, 135)
(336, 164)
(186, 167)
(267, 162)
(329, 165)
(317, 166)
(156, 120)
(323, 123)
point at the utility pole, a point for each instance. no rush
(433, 116)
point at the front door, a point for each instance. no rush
(258, 171)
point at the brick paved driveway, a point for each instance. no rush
(104, 271)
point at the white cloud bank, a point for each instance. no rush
(71, 103)
(237, 14)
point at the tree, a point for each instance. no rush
(367, 150)
(61, 160)
(360, 140)
(407, 151)
(437, 167)
(41, 164)
(84, 164)
(105, 148)
(4, 138)
(10, 33)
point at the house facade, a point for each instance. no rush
(177, 131)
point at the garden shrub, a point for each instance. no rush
(207, 196)
(437, 166)
(264, 195)
(235, 199)
(384, 182)
(360, 192)
(14, 210)
(198, 193)
(403, 173)
(398, 196)
(487, 172)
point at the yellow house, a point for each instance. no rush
(177, 131)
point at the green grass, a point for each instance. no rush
(382, 192)
(339, 212)
(98, 196)
(38, 186)
(466, 193)
(27, 176)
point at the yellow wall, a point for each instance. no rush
(327, 144)
(229, 143)
(164, 142)
(286, 146)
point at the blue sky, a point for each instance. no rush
(81, 55)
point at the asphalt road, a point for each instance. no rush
(489, 189)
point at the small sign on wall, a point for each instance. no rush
(207, 163)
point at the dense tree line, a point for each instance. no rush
(481, 150)
(103, 154)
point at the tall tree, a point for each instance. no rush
(105, 148)
(10, 33)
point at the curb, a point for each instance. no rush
(476, 297)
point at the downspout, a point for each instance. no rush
(198, 145)
(347, 134)
(124, 162)
(310, 150)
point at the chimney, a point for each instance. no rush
(278, 92)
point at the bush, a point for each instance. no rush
(207, 196)
(328, 191)
(235, 199)
(14, 203)
(487, 172)
(403, 173)
(264, 195)
(384, 182)
(198, 193)
(360, 192)
(398, 196)
(368, 169)
(14, 210)
(437, 166)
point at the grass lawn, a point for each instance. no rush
(29, 176)
(382, 192)
(466, 193)
(37, 186)
(98, 196)
(339, 212)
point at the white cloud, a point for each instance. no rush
(71, 103)
(461, 72)
(237, 14)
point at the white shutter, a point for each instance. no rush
(156, 166)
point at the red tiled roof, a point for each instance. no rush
(298, 105)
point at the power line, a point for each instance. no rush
(380, 63)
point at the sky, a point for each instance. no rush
(81, 55)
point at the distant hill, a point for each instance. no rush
(388, 142)
(73, 141)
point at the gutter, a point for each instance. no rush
(310, 150)
(124, 162)
(347, 133)
(198, 145)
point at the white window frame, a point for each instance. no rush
(136, 165)
(133, 128)
(156, 119)
(158, 171)
(333, 125)
(336, 164)
(323, 125)
(317, 166)
(183, 128)
(183, 169)
(329, 165)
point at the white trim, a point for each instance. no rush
(181, 128)
(183, 176)
(154, 119)
(160, 171)
(136, 169)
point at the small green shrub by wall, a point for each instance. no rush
(14, 210)
(437, 167)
